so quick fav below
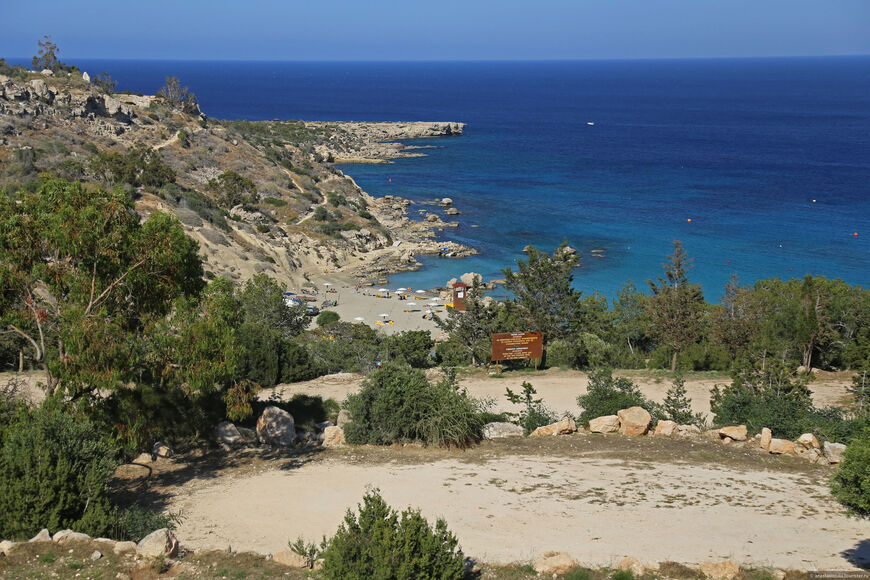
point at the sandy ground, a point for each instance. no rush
(509, 505)
(559, 389)
(369, 304)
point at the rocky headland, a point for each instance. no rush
(59, 124)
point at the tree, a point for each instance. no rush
(677, 406)
(233, 189)
(676, 308)
(263, 305)
(46, 58)
(860, 390)
(82, 279)
(471, 330)
(629, 317)
(177, 96)
(542, 288)
(736, 322)
(105, 83)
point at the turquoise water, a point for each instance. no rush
(769, 158)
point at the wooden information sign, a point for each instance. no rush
(517, 346)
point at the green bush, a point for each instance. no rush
(380, 543)
(296, 364)
(54, 473)
(327, 317)
(134, 523)
(606, 395)
(851, 483)
(413, 347)
(535, 414)
(399, 404)
(275, 201)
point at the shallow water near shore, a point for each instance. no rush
(768, 158)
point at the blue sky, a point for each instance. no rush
(437, 29)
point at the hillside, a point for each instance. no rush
(249, 192)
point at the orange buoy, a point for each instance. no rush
(390, 179)
(855, 234)
(689, 220)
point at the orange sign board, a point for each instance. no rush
(517, 345)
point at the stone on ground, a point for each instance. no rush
(43, 536)
(64, 536)
(605, 424)
(629, 564)
(158, 543)
(564, 427)
(333, 437)
(122, 548)
(291, 559)
(500, 430)
(766, 436)
(227, 433)
(554, 563)
(634, 421)
(834, 451)
(735, 432)
(780, 446)
(666, 428)
(275, 427)
(809, 441)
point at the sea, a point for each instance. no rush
(761, 167)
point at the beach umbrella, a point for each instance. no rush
(384, 315)
(435, 298)
(421, 291)
(327, 283)
(428, 312)
(412, 304)
(401, 289)
(359, 318)
(382, 290)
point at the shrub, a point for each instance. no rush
(275, 201)
(399, 404)
(259, 362)
(413, 347)
(606, 395)
(678, 407)
(851, 483)
(380, 543)
(232, 189)
(535, 414)
(134, 523)
(327, 317)
(54, 473)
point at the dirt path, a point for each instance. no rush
(596, 497)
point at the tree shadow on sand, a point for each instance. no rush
(152, 486)
(859, 555)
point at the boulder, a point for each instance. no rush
(227, 433)
(290, 559)
(324, 424)
(123, 548)
(501, 430)
(446, 201)
(766, 436)
(666, 428)
(780, 446)
(144, 458)
(333, 437)
(96, 555)
(158, 543)
(47, 72)
(634, 421)
(724, 570)
(809, 441)
(470, 277)
(86, 77)
(688, 430)
(249, 436)
(605, 424)
(735, 432)
(834, 451)
(343, 418)
(43, 536)
(275, 427)
(5, 546)
(453, 211)
(161, 450)
(554, 563)
(564, 427)
(64, 536)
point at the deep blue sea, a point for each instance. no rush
(768, 158)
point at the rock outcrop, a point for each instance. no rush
(501, 430)
(605, 424)
(554, 563)
(276, 427)
(564, 427)
(158, 543)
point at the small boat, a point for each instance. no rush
(590, 123)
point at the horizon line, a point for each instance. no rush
(463, 60)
